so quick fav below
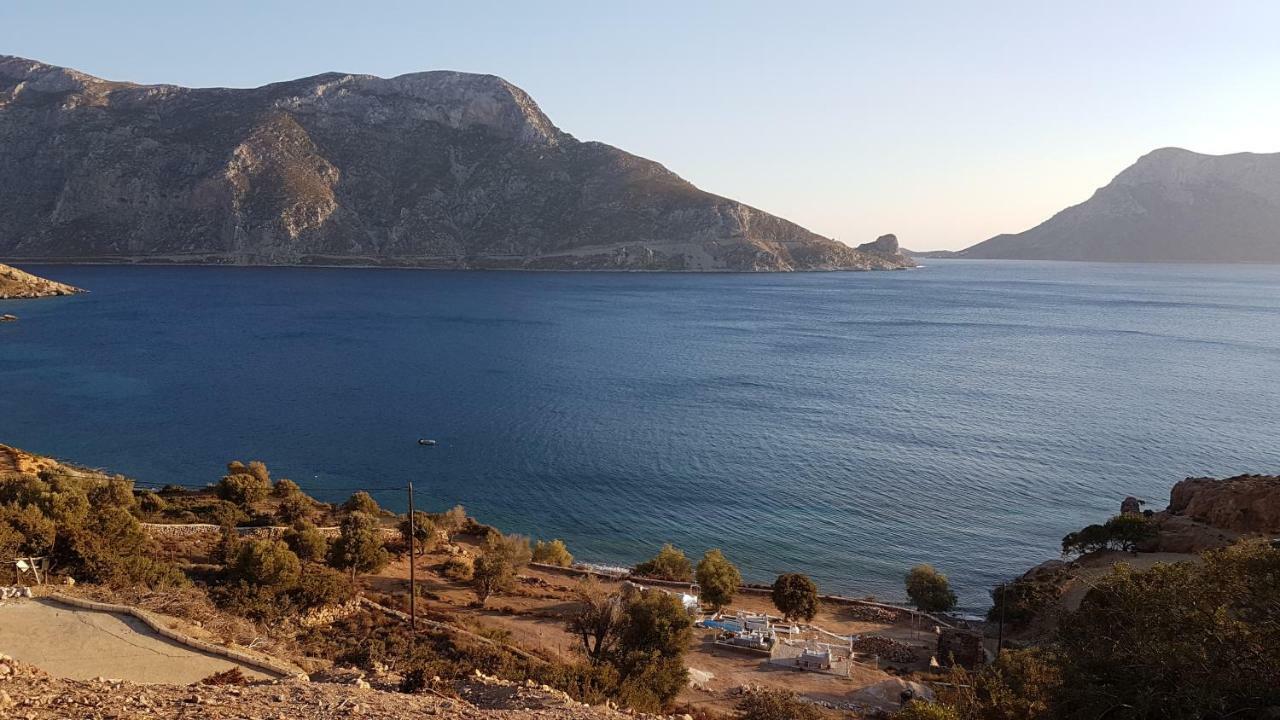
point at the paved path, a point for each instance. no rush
(85, 644)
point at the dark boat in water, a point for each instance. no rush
(425, 441)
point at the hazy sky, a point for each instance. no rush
(945, 123)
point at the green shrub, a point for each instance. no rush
(796, 596)
(307, 542)
(115, 492)
(266, 562)
(424, 532)
(362, 502)
(243, 490)
(552, 553)
(258, 470)
(458, 568)
(226, 514)
(25, 532)
(515, 548)
(718, 579)
(929, 590)
(491, 573)
(285, 487)
(293, 509)
(1122, 532)
(453, 520)
(669, 564)
(151, 503)
(1020, 601)
(322, 587)
(359, 547)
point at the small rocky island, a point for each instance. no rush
(16, 284)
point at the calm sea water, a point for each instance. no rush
(966, 414)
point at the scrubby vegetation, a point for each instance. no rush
(641, 637)
(776, 705)
(1021, 601)
(552, 553)
(669, 564)
(267, 580)
(1180, 641)
(87, 527)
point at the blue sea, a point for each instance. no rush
(848, 425)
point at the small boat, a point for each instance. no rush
(425, 441)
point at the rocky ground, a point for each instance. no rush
(27, 692)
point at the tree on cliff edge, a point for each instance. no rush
(929, 590)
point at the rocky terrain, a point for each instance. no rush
(27, 692)
(433, 169)
(15, 284)
(1206, 513)
(1172, 205)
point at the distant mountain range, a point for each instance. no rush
(433, 169)
(1172, 205)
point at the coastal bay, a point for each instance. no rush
(968, 414)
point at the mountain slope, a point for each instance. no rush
(15, 283)
(435, 169)
(1172, 205)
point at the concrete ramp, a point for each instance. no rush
(83, 644)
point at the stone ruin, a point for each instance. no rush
(960, 647)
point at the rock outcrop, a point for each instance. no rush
(1208, 513)
(433, 169)
(15, 283)
(1245, 504)
(1172, 205)
(884, 245)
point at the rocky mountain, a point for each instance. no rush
(433, 169)
(1172, 205)
(15, 283)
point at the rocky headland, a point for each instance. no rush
(16, 284)
(433, 169)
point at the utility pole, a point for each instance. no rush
(1000, 637)
(413, 584)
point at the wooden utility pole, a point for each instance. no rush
(413, 584)
(1000, 637)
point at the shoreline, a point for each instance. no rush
(446, 268)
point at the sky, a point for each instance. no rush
(942, 122)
